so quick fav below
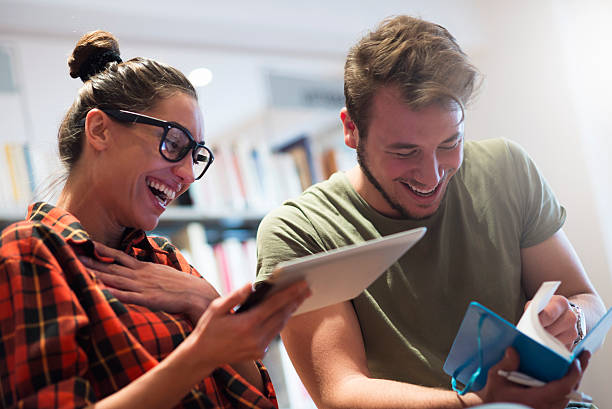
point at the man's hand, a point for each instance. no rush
(559, 320)
(553, 395)
(155, 286)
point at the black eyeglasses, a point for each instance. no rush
(176, 142)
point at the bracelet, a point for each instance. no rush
(580, 322)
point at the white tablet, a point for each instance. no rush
(337, 275)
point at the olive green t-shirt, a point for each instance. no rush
(495, 205)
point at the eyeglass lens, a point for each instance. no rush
(177, 144)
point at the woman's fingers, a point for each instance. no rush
(276, 322)
(127, 297)
(274, 312)
(118, 282)
(114, 269)
(119, 256)
(236, 297)
(283, 299)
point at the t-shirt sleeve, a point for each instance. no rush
(284, 234)
(41, 360)
(541, 215)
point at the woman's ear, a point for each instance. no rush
(97, 133)
(351, 133)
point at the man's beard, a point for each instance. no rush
(362, 161)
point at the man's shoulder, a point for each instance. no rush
(494, 148)
(492, 156)
(317, 197)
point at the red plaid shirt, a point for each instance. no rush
(65, 341)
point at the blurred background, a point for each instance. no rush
(271, 90)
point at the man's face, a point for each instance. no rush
(409, 157)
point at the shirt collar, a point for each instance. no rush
(69, 227)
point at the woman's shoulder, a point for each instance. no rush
(162, 243)
(169, 254)
(31, 239)
(24, 230)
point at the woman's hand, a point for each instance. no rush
(220, 337)
(155, 286)
(224, 337)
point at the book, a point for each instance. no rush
(223, 268)
(300, 150)
(484, 336)
(18, 162)
(194, 245)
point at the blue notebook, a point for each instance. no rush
(497, 334)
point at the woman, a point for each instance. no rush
(132, 142)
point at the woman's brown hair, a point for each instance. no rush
(134, 85)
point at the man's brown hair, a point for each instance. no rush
(421, 58)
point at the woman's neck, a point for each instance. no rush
(84, 202)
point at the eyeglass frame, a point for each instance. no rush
(122, 115)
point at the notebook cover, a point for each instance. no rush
(497, 334)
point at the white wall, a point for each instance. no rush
(237, 92)
(547, 87)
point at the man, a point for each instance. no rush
(494, 235)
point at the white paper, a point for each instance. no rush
(530, 325)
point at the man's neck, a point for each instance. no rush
(369, 193)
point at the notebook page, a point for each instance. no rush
(530, 325)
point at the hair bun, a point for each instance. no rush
(92, 54)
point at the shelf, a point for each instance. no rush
(230, 219)
(8, 216)
(176, 215)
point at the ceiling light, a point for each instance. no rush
(200, 77)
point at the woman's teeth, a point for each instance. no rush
(163, 192)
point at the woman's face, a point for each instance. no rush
(141, 182)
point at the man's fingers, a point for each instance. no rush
(510, 361)
(557, 309)
(564, 386)
(584, 358)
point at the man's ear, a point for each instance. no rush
(97, 133)
(351, 133)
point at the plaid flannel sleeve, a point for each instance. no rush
(41, 362)
(237, 389)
